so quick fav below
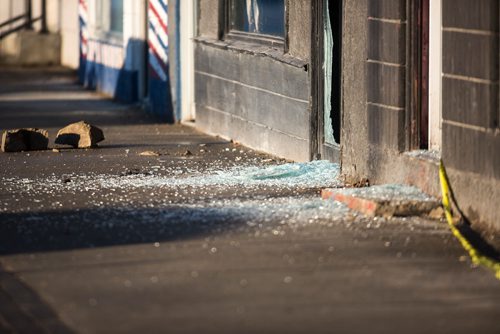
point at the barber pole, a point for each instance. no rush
(159, 87)
(158, 38)
(84, 36)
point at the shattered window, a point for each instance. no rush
(266, 17)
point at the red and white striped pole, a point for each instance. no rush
(158, 38)
(83, 18)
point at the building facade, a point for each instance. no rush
(126, 52)
(385, 87)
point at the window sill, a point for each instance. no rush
(256, 49)
(110, 37)
(256, 39)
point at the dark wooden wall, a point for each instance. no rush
(471, 140)
(386, 70)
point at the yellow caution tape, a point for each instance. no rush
(476, 256)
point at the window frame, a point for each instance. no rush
(103, 25)
(262, 39)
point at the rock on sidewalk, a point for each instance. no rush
(80, 135)
(29, 139)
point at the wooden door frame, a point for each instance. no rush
(435, 74)
(187, 33)
(317, 83)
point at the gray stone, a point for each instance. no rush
(80, 135)
(30, 139)
(149, 154)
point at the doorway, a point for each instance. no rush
(327, 79)
(425, 75)
(333, 48)
(424, 81)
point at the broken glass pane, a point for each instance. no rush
(265, 17)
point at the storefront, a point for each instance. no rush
(385, 87)
(124, 52)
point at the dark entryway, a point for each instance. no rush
(419, 75)
(326, 76)
(335, 14)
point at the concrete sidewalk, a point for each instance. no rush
(208, 236)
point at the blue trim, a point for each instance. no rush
(160, 100)
(178, 87)
(82, 69)
(121, 84)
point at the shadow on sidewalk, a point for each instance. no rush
(88, 228)
(53, 113)
(23, 311)
(48, 98)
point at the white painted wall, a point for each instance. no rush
(62, 17)
(69, 29)
(187, 34)
(435, 74)
(131, 44)
(134, 39)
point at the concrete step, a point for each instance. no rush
(30, 48)
(386, 200)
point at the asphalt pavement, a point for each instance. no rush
(164, 229)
